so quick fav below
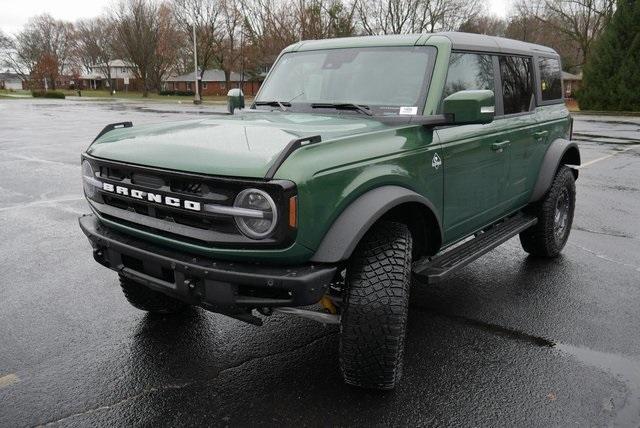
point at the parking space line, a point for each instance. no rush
(591, 162)
(32, 159)
(605, 257)
(40, 203)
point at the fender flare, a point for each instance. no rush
(352, 224)
(550, 164)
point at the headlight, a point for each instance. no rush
(265, 222)
(88, 179)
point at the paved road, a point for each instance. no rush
(510, 340)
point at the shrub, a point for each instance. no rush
(47, 94)
(180, 93)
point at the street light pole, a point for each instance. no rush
(197, 99)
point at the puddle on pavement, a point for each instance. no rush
(624, 368)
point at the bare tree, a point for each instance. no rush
(219, 32)
(581, 21)
(136, 24)
(5, 42)
(321, 19)
(271, 25)
(45, 44)
(414, 16)
(205, 16)
(485, 24)
(170, 43)
(227, 52)
(388, 16)
(95, 45)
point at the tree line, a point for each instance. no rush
(156, 36)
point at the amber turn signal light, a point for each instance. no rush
(293, 212)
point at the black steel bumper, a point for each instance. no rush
(219, 286)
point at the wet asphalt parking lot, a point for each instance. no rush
(510, 340)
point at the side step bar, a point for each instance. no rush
(437, 268)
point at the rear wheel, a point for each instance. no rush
(555, 217)
(149, 300)
(375, 307)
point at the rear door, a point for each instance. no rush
(551, 113)
(517, 122)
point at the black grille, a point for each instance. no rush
(128, 204)
(219, 223)
(185, 186)
(192, 187)
(147, 180)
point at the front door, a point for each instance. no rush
(475, 174)
(475, 156)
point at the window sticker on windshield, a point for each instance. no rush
(409, 110)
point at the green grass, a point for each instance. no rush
(104, 95)
(608, 113)
(11, 93)
(137, 96)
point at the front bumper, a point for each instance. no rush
(219, 286)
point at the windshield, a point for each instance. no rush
(388, 80)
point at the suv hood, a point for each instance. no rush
(242, 145)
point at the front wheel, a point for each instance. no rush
(376, 303)
(555, 217)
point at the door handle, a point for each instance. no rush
(540, 135)
(499, 147)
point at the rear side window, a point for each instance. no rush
(550, 79)
(517, 84)
(469, 71)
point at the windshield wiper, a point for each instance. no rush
(283, 105)
(344, 106)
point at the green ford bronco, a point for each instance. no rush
(362, 165)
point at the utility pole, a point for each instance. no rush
(197, 99)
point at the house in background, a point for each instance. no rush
(10, 80)
(213, 83)
(571, 83)
(122, 77)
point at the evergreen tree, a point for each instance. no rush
(611, 79)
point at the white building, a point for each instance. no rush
(122, 76)
(10, 80)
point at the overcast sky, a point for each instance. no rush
(15, 13)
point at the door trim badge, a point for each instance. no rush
(436, 161)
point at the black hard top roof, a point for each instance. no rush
(459, 41)
(480, 42)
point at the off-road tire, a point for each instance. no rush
(149, 300)
(541, 239)
(376, 303)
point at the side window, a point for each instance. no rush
(517, 84)
(468, 71)
(550, 79)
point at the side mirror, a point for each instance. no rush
(235, 99)
(466, 107)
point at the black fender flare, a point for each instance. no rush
(352, 224)
(550, 163)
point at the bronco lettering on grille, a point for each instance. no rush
(152, 197)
